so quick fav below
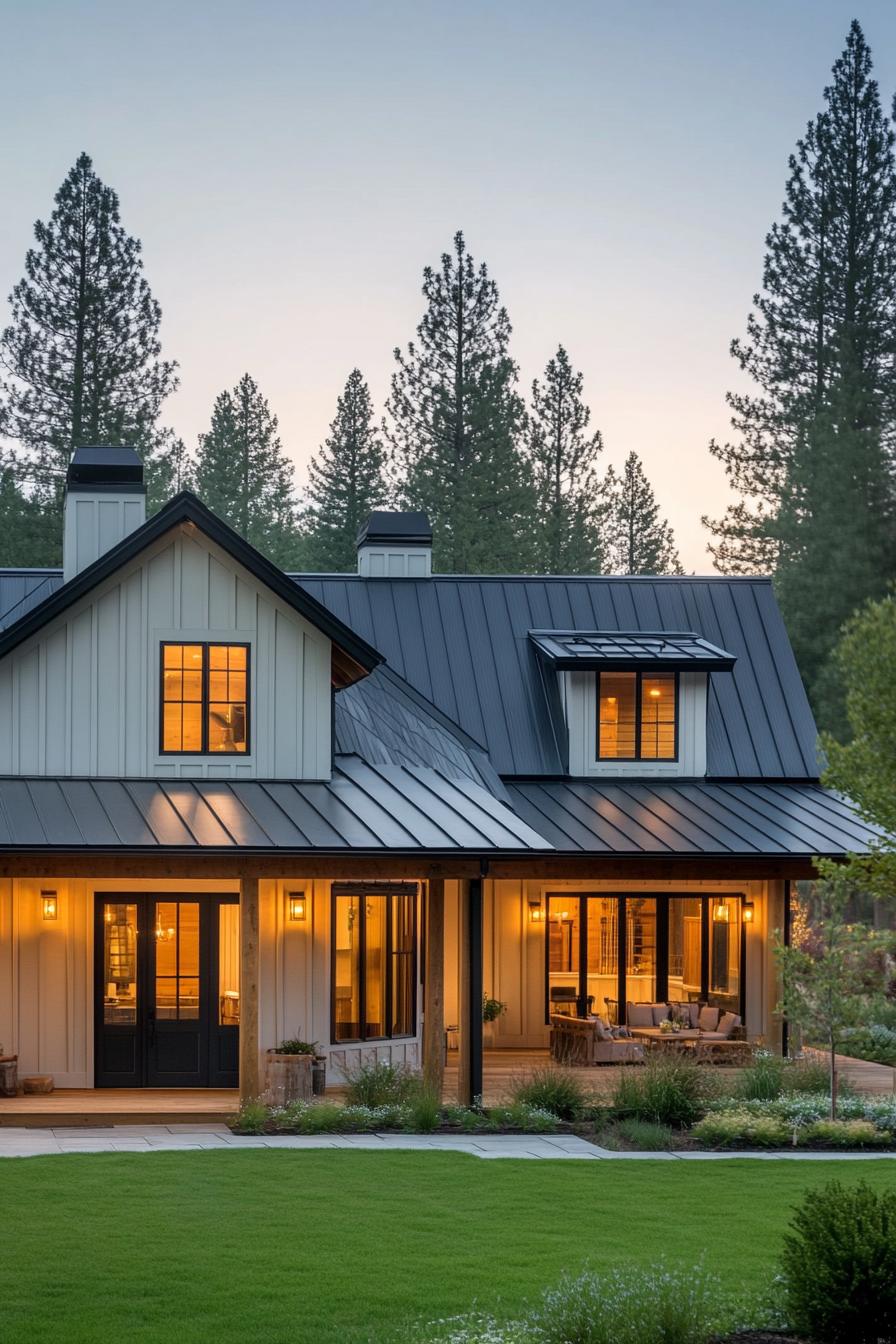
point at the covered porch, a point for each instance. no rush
(483, 927)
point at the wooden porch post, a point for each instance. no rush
(250, 1086)
(434, 987)
(469, 1073)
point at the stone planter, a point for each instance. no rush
(286, 1078)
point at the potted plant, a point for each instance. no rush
(491, 1011)
(288, 1071)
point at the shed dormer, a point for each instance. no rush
(634, 703)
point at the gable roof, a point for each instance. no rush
(463, 643)
(353, 655)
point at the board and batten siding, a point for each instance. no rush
(82, 696)
(579, 695)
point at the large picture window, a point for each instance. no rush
(205, 699)
(374, 961)
(637, 716)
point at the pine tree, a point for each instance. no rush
(455, 421)
(640, 540)
(346, 481)
(81, 352)
(564, 466)
(169, 469)
(23, 524)
(821, 349)
(243, 475)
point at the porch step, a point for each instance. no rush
(78, 1107)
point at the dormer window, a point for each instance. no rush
(205, 699)
(637, 716)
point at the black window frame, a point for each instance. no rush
(409, 891)
(640, 673)
(205, 645)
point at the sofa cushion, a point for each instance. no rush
(709, 1019)
(728, 1022)
(602, 1029)
(639, 1015)
(660, 1012)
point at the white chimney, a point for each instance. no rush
(395, 546)
(105, 500)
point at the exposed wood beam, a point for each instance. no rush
(232, 866)
(434, 987)
(658, 869)
(250, 1087)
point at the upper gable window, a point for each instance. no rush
(205, 699)
(637, 716)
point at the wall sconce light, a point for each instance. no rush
(536, 913)
(297, 906)
(49, 904)
(748, 911)
(720, 912)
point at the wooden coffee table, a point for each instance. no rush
(686, 1039)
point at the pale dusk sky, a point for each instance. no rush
(291, 167)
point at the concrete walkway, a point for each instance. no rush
(178, 1138)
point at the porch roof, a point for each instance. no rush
(363, 808)
(583, 649)
(693, 817)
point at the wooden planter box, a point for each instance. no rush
(286, 1078)
(9, 1081)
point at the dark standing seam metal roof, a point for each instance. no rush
(464, 644)
(695, 817)
(587, 649)
(363, 807)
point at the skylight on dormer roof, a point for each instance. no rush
(582, 649)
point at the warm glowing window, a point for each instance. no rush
(637, 716)
(374, 962)
(205, 698)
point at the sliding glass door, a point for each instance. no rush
(603, 951)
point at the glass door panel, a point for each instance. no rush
(641, 949)
(724, 953)
(602, 961)
(176, 933)
(685, 948)
(563, 935)
(119, 964)
(229, 965)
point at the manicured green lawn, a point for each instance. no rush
(286, 1248)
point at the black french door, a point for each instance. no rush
(167, 990)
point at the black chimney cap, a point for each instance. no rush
(100, 467)
(396, 529)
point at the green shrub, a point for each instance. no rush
(519, 1115)
(251, 1118)
(656, 1305)
(808, 1074)
(763, 1079)
(297, 1047)
(877, 1043)
(645, 1135)
(839, 1265)
(671, 1089)
(742, 1129)
(551, 1089)
(423, 1111)
(321, 1117)
(846, 1134)
(381, 1084)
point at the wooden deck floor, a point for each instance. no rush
(501, 1069)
